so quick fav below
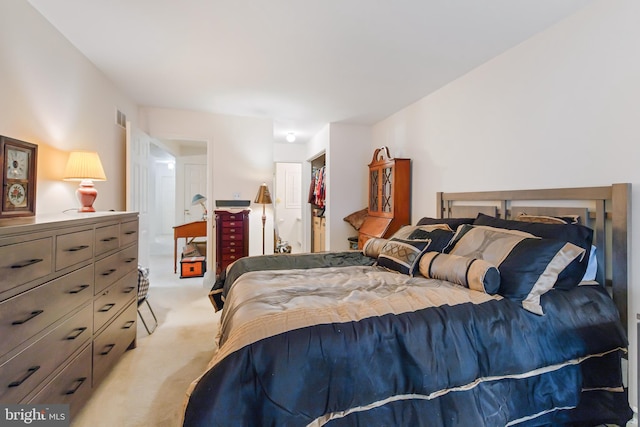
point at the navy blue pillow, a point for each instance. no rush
(528, 266)
(439, 238)
(577, 234)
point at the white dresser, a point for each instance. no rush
(68, 299)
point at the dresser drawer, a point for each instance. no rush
(24, 372)
(231, 216)
(113, 342)
(232, 237)
(26, 261)
(229, 258)
(233, 223)
(113, 299)
(107, 238)
(235, 249)
(24, 315)
(70, 387)
(115, 266)
(73, 248)
(233, 230)
(128, 232)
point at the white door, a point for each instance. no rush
(288, 204)
(195, 182)
(137, 186)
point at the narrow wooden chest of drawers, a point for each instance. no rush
(68, 298)
(232, 237)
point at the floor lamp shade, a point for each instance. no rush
(263, 198)
(85, 166)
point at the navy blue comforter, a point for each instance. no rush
(357, 346)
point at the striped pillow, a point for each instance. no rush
(476, 274)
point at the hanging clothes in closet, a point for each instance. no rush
(317, 189)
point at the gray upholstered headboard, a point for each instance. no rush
(607, 210)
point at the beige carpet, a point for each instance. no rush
(147, 386)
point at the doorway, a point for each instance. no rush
(176, 188)
(288, 205)
(156, 189)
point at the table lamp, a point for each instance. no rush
(200, 199)
(263, 198)
(85, 166)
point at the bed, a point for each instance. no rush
(507, 308)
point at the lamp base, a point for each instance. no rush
(86, 195)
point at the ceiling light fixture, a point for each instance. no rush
(291, 137)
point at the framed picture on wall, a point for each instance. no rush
(19, 160)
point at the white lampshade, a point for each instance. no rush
(84, 165)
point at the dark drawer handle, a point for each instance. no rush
(27, 263)
(30, 372)
(31, 316)
(77, 248)
(77, 383)
(106, 308)
(108, 239)
(129, 260)
(109, 272)
(78, 289)
(129, 324)
(128, 290)
(107, 349)
(130, 232)
(76, 333)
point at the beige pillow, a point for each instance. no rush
(472, 273)
(544, 219)
(373, 246)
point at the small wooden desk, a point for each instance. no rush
(186, 231)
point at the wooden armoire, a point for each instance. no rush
(389, 196)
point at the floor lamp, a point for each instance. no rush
(263, 198)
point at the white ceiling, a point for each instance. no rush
(302, 63)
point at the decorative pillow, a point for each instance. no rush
(402, 255)
(373, 246)
(529, 266)
(451, 222)
(544, 219)
(577, 234)
(472, 273)
(356, 219)
(439, 238)
(405, 231)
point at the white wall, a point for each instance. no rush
(289, 152)
(348, 155)
(240, 158)
(560, 110)
(54, 97)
